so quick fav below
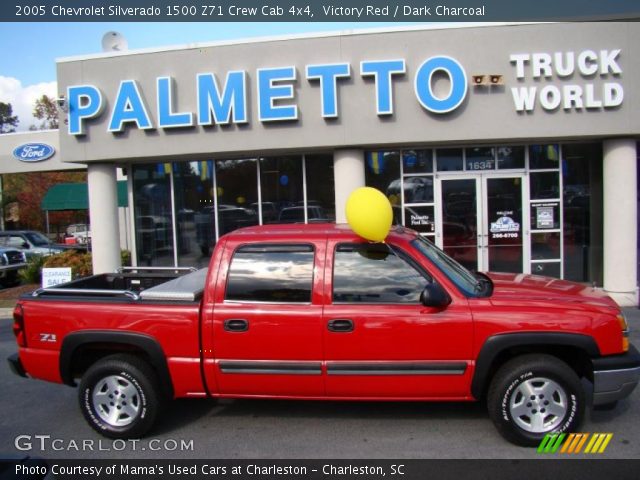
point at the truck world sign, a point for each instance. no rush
(226, 102)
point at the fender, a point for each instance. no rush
(497, 344)
(146, 343)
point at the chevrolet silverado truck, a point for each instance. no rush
(315, 312)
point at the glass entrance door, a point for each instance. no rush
(503, 232)
(481, 221)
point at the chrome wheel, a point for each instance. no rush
(538, 405)
(116, 400)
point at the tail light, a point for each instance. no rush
(18, 326)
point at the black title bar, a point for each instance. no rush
(315, 10)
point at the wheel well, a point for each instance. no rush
(577, 359)
(87, 354)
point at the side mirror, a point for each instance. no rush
(434, 295)
(26, 246)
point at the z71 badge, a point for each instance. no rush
(48, 337)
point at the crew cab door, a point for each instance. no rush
(380, 340)
(267, 321)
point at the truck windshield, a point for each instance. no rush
(471, 285)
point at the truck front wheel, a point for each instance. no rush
(533, 395)
(119, 396)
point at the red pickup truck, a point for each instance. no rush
(315, 312)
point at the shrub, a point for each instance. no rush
(32, 273)
(79, 262)
(125, 258)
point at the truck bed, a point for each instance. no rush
(159, 284)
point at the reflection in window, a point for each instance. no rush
(480, 158)
(418, 189)
(237, 182)
(271, 274)
(282, 191)
(449, 159)
(544, 156)
(320, 186)
(510, 157)
(544, 185)
(193, 193)
(417, 161)
(583, 212)
(383, 173)
(152, 214)
(373, 273)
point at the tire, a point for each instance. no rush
(119, 396)
(533, 395)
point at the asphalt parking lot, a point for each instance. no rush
(43, 419)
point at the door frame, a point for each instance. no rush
(482, 214)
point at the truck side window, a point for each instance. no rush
(271, 273)
(373, 273)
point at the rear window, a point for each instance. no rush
(271, 273)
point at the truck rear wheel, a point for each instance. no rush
(119, 396)
(534, 395)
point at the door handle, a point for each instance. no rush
(236, 325)
(340, 325)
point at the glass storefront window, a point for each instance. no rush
(449, 159)
(281, 190)
(510, 157)
(382, 171)
(236, 188)
(547, 269)
(544, 156)
(320, 184)
(544, 185)
(480, 158)
(152, 214)
(417, 161)
(193, 185)
(583, 212)
(545, 246)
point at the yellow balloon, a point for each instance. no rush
(369, 213)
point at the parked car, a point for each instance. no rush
(315, 214)
(32, 243)
(316, 312)
(80, 232)
(11, 260)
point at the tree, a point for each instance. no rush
(45, 109)
(8, 121)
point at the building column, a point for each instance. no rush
(348, 173)
(620, 221)
(103, 212)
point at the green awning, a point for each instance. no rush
(75, 196)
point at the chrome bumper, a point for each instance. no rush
(615, 377)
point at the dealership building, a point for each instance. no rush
(513, 147)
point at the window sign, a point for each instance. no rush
(505, 226)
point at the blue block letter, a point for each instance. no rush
(215, 107)
(268, 93)
(166, 117)
(382, 72)
(457, 79)
(129, 107)
(84, 101)
(327, 74)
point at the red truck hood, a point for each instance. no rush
(518, 288)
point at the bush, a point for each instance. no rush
(32, 273)
(79, 262)
(125, 258)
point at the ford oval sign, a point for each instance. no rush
(33, 152)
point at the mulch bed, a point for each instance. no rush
(14, 292)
